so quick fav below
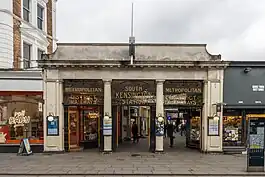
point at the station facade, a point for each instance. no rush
(87, 86)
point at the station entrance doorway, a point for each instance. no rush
(183, 103)
(187, 122)
(133, 111)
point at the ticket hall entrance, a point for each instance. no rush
(133, 108)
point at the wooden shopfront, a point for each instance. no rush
(83, 105)
(184, 99)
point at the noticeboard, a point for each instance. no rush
(213, 126)
(24, 148)
(256, 136)
(52, 126)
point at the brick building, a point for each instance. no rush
(27, 29)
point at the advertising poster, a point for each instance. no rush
(27, 145)
(53, 127)
(107, 127)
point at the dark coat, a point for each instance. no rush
(134, 129)
(170, 130)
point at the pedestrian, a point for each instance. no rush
(165, 130)
(135, 132)
(170, 132)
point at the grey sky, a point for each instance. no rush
(233, 28)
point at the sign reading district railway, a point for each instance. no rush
(133, 92)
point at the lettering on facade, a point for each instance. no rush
(133, 93)
(83, 92)
(183, 93)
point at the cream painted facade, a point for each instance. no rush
(158, 62)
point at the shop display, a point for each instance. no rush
(232, 130)
(195, 129)
(91, 118)
(21, 117)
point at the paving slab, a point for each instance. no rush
(94, 163)
(174, 162)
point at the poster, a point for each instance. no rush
(107, 127)
(159, 128)
(213, 127)
(27, 145)
(53, 126)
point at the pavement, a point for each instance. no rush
(179, 161)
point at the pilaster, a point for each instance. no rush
(53, 95)
(107, 111)
(159, 112)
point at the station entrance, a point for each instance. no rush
(134, 113)
(183, 103)
(187, 123)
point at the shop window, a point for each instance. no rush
(91, 123)
(21, 117)
(232, 129)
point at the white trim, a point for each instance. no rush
(29, 24)
(29, 74)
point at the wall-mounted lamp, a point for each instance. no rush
(160, 118)
(50, 118)
(106, 117)
(216, 118)
(247, 70)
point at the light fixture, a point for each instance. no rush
(216, 118)
(160, 119)
(247, 70)
(50, 118)
(106, 117)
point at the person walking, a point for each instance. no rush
(135, 132)
(170, 132)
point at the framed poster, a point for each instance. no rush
(213, 126)
(52, 126)
(107, 127)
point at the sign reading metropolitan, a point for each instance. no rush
(78, 92)
(183, 93)
(133, 92)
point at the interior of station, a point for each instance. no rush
(186, 121)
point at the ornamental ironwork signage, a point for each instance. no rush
(133, 92)
(187, 93)
(83, 92)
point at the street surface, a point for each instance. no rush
(179, 161)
